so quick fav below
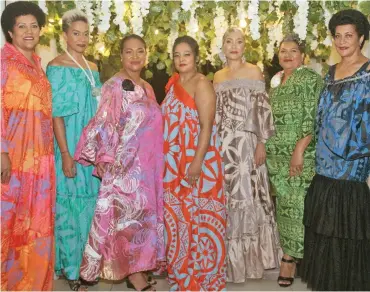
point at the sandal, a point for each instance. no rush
(149, 287)
(287, 279)
(74, 285)
(89, 283)
(151, 280)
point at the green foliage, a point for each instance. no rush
(159, 22)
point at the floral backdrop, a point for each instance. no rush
(160, 22)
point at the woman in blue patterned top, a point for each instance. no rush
(337, 216)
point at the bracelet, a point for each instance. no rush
(61, 152)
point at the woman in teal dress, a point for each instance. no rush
(75, 87)
(291, 153)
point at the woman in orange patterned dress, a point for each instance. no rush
(27, 157)
(195, 216)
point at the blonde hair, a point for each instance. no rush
(72, 16)
(230, 30)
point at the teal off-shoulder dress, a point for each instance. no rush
(76, 197)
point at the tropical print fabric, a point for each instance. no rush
(343, 150)
(336, 214)
(76, 197)
(294, 106)
(195, 216)
(27, 202)
(127, 232)
(244, 118)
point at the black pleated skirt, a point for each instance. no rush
(337, 235)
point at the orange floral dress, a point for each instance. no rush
(27, 202)
(195, 216)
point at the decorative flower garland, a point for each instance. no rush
(186, 5)
(120, 13)
(42, 5)
(242, 14)
(275, 31)
(136, 18)
(86, 6)
(221, 26)
(300, 19)
(104, 16)
(327, 15)
(314, 42)
(255, 19)
(174, 33)
(192, 27)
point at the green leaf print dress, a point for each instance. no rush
(294, 109)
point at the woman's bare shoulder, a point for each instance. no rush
(251, 71)
(58, 61)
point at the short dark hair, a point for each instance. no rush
(129, 37)
(354, 17)
(187, 40)
(16, 9)
(293, 37)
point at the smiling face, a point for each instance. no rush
(77, 36)
(133, 55)
(346, 40)
(26, 33)
(184, 58)
(290, 57)
(234, 45)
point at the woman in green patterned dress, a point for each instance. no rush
(291, 153)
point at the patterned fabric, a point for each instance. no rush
(195, 217)
(76, 197)
(27, 202)
(243, 119)
(127, 233)
(294, 109)
(343, 147)
(337, 217)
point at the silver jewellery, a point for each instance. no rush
(96, 91)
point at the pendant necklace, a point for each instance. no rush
(96, 91)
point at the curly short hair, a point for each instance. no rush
(16, 9)
(187, 40)
(293, 37)
(354, 17)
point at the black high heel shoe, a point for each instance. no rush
(149, 287)
(287, 279)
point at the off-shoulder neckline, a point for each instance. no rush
(69, 67)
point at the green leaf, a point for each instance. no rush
(148, 74)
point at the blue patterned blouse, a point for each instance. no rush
(343, 127)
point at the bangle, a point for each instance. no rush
(62, 152)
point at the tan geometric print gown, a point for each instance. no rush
(243, 119)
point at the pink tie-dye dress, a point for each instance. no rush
(127, 230)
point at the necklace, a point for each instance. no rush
(96, 91)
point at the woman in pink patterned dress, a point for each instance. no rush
(124, 141)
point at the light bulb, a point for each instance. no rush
(243, 23)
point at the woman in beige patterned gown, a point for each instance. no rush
(244, 123)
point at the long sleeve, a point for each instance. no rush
(100, 137)
(312, 89)
(4, 77)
